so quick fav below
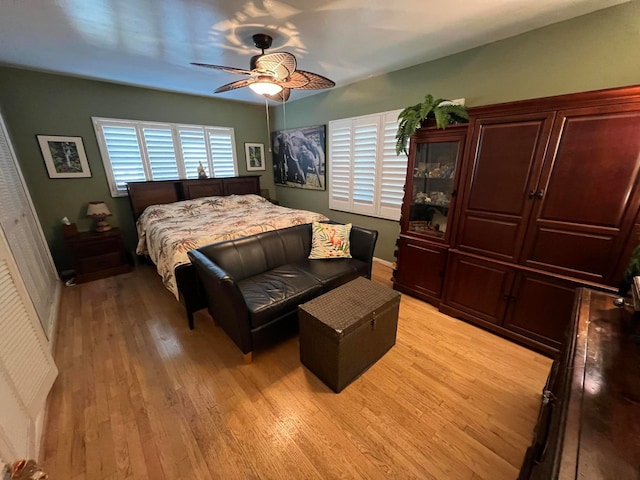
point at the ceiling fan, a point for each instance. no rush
(272, 74)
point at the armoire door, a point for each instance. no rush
(506, 154)
(477, 290)
(541, 307)
(420, 268)
(588, 195)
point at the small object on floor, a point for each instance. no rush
(71, 282)
(27, 470)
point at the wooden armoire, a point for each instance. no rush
(544, 198)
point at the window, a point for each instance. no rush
(366, 176)
(139, 151)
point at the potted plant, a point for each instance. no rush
(632, 270)
(444, 112)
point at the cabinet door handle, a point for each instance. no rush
(531, 194)
(509, 298)
(540, 193)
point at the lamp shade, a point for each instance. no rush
(98, 210)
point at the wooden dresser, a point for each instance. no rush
(589, 422)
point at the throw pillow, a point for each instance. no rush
(330, 240)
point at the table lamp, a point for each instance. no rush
(99, 211)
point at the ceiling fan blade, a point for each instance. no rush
(281, 96)
(238, 71)
(234, 85)
(307, 81)
(279, 64)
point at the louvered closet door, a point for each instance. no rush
(24, 236)
(27, 370)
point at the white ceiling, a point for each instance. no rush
(151, 42)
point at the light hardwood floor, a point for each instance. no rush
(141, 396)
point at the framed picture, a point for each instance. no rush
(255, 156)
(64, 156)
(299, 157)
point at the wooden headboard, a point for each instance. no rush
(143, 194)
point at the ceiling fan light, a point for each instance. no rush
(265, 88)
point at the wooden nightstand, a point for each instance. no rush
(97, 255)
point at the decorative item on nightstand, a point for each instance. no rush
(99, 211)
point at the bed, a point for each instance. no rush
(173, 217)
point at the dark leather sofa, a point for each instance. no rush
(254, 284)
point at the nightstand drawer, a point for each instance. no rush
(96, 248)
(100, 262)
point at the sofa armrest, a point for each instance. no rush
(363, 243)
(224, 300)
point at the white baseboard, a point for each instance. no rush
(52, 324)
(383, 262)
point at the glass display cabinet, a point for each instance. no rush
(428, 210)
(432, 187)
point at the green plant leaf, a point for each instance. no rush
(410, 118)
(457, 112)
(633, 267)
(442, 117)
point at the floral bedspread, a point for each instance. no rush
(167, 232)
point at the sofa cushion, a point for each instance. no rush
(332, 273)
(277, 292)
(330, 240)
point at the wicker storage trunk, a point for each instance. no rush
(345, 331)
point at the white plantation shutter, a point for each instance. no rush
(365, 150)
(162, 156)
(221, 142)
(340, 142)
(138, 151)
(123, 159)
(393, 169)
(194, 151)
(366, 176)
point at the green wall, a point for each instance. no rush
(34, 103)
(591, 52)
